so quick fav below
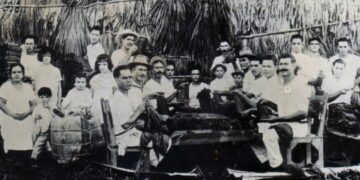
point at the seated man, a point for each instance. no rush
(292, 100)
(259, 81)
(195, 87)
(337, 85)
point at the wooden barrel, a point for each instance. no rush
(74, 137)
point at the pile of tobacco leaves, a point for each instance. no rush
(344, 118)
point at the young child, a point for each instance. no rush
(48, 75)
(78, 97)
(103, 84)
(42, 116)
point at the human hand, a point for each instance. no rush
(133, 49)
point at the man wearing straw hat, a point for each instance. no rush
(127, 39)
(139, 67)
(244, 57)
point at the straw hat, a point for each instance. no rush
(247, 53)
(139, 60)
(158, 58)
(127, 32)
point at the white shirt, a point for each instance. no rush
(45, 114)
(309, 67)
(333, 85)
(248, 80)
(257, 86)
(48, 76)
(93, 51)
(17, 134)
(290, 99)
(193, 92)
(30, 63)
(122, 110)
(352, 64)
(135, 95)
(221, 84)
(272, 84)
(117, 56)
(229, 66)
(76, 99)
(164, 86)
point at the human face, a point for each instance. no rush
(29, 45)
(314, 46)
(244, 64)
(139, 73)
(286, 68)
(170, 71)
(268, 68)
(195, 75)
(44, 99)
(128, 41)
(238, 80)
(296, 45)
(256, 68)
(124, 81)
(343, 48)
(224, 46)
(338, 69)
(16, 74)
(219, 72)
(95, 36)
(47, 58)
(103, 67)
(80, 83)
(158, 69)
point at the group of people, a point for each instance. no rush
(123, 79)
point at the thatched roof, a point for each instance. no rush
(192, 27)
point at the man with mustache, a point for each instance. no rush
(291, 98)
(127, 49)
(225, 50)
(158, 82)
(139, 67)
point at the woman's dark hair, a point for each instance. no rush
(43, 51)
(15, 65)
(103, 58)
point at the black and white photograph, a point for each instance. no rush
(179, 89)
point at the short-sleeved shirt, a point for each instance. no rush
(117, 58)
(48, 76)
(248, 80)
(193, 92)
(17, 134)
(257, 86)
(93, 51)
(76, 99)
(30, 63)
(229, 66)
(164, 86)
(122, 110)
(333, 85)
(45, 116)
(352, 63)
(135, 94)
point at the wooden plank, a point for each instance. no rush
(201, 137)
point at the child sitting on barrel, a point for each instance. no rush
(42, 116)
(78, 97)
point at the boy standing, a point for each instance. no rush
(95, 48)
(42, 116)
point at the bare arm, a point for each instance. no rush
(4, 108)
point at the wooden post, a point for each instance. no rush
(109, 134)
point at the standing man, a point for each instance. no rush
(292, 100)
(269, 64)
(139, 67)
(303, 61)
(226, 52)
(245, 56)
(29, 57)
(94, 49)
(314, 54)
(352, 61)
(17, 101)
(127, 39)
